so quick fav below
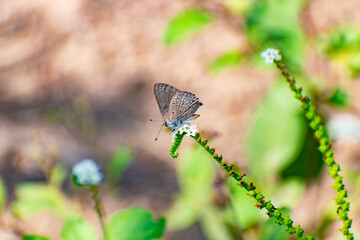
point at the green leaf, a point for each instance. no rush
(339, 97)
(119, 163)
(196, 172)
(225, 61)
(58, 175)
(186, 24)
(278, 133)
(135, 224)
(2, 194)
(34, 237)
(76, 229)
(35, 197)
(272, 231)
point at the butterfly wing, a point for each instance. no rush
(163, 94)
(183, 106)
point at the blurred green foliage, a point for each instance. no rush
(77, 228)
(339, 97)
(277, 134)
(136, 224)
(34, 237)
(276, 24)
(214, 225)
(58, 175)
(343, 45)
(225, 61)
(241, 211)
(186, 24)
(196, 173)
(119, 162)
(35, 197)
(308, 163)
(3, 194)
(272, 231)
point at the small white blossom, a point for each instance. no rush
(270, 55)
(189, 128)
(87, 172)
(344, 126)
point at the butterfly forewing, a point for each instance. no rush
(163, 94)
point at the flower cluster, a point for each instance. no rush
(188, 128)
(87, 173)
(270, 55)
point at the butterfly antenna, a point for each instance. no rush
(159, 132)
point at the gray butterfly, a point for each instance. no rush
(175, 106)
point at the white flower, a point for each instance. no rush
(188, 128)
(270, 55)
(87, 172)
(344, 126)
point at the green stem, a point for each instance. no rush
(316, 123)
(99, 210)
(249, 186)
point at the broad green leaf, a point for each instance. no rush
(186, 24)
(135, 224)
(213, 225)
(120, 161)
(2, 194)
(225, 61)
(35, 197)
(276, 24)
(196, 174)
(339, 97)
(58, 175)
(272, 231)
(34, 237)
(76, 229)
(278, 133)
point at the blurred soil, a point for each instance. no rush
(76, 80)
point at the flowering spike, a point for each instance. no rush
(271, 55)
(317, 124)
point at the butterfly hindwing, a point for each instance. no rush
(183, 106)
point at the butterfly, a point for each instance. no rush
(176, 106)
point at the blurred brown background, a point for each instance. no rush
(76, 80)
